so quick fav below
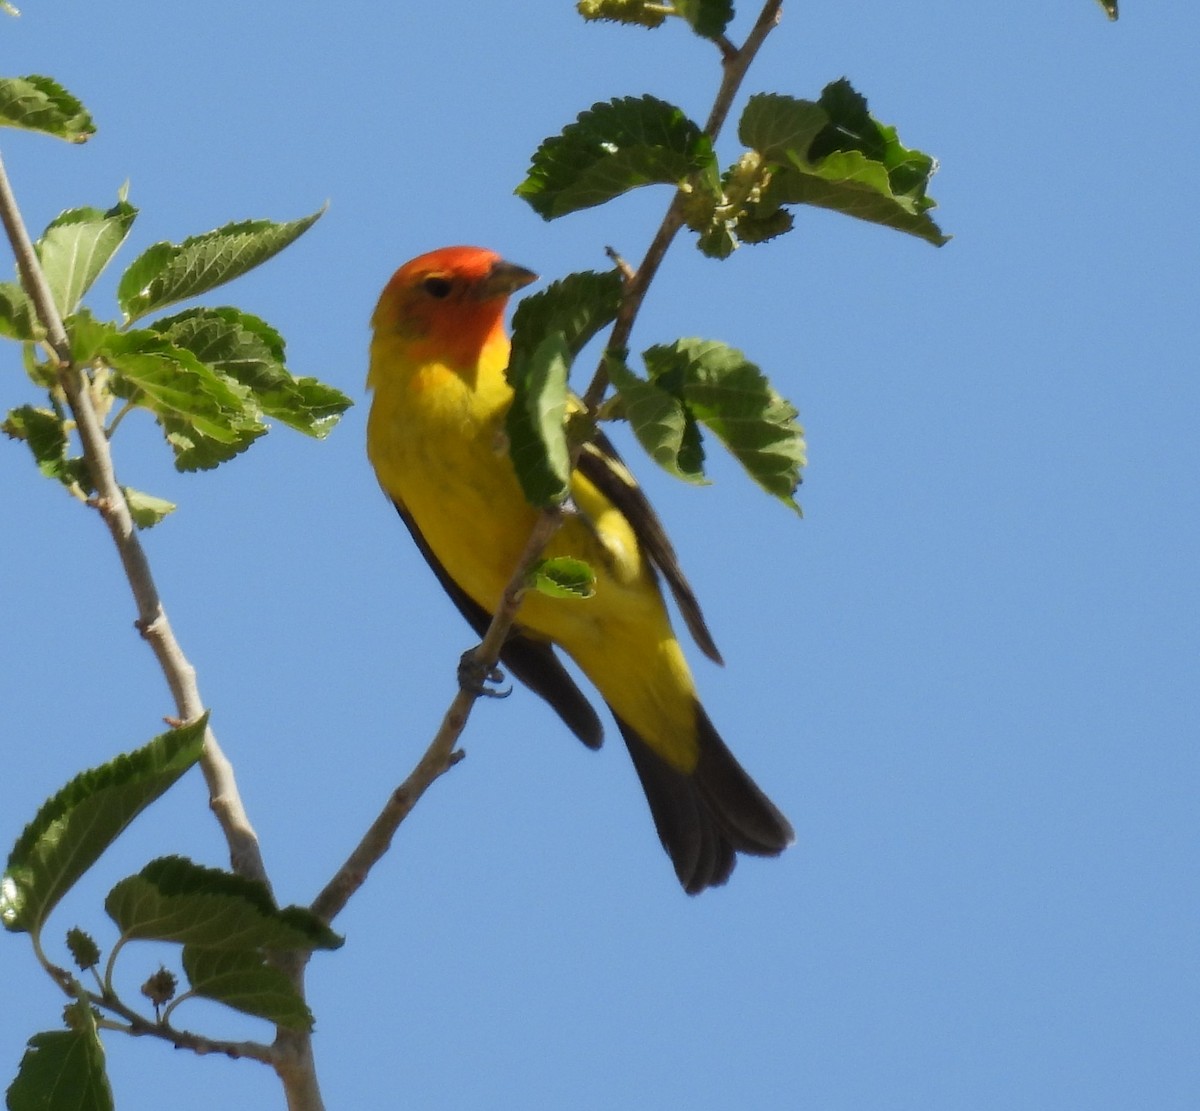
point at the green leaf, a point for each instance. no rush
(243, 980)
(174, 899)
(731, 397)
(18, 318)
(563, 577)
(207, 417)
(74, 827)
(145, 509)
(535, 421)
(168, 272)
(43, 430)
(857, 166)
(37, 103)
(576, 306)
(63, 1070)
(77, 246)
(662, 423)
(614, 147)
(87, 335)
(248, 350)
(855, 186)
(640, 13)
(708, 18)
(781, 128)
(1110, 8)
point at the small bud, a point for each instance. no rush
(84, 950)
(78, 1016)
(160, 988)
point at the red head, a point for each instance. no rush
(449, 303)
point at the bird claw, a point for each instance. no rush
(474, 678)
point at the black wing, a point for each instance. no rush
(604, 468)
(530, 659)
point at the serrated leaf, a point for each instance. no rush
(38, 103)
(63, 1070)
(43, 431)
(717, 240)
(77, 246)
(852, 184)
(206, 416)
(638, 13)
(174, 899)
(662, 424)
(731, 397)
(616, 146)
(243, 980)
(781, 128)
(166, 273)
(248, 350)
(73, 828)
(87, 335)
(145, 509)
(707, 18)
(18, 318)
(576, 307)
(535, 420)
(563, 577)
(195, 450)
(759, 224)
(857, 166)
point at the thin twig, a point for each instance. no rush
(439, 756)
(140, 1026)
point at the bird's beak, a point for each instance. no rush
(503, 279)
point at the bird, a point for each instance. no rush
(436, 440)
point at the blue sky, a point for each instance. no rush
(969, 675)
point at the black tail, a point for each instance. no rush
(704, 819)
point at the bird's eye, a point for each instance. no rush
(437, 287)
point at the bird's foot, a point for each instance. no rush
(474, 678)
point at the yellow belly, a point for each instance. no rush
(438, 447)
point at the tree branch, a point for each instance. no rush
(292, 1055)
(140, 1026)
(440, 756)
(109, 498)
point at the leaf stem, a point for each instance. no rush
(120, 415)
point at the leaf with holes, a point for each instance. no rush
(63, 1070)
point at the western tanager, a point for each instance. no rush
(436, 438)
